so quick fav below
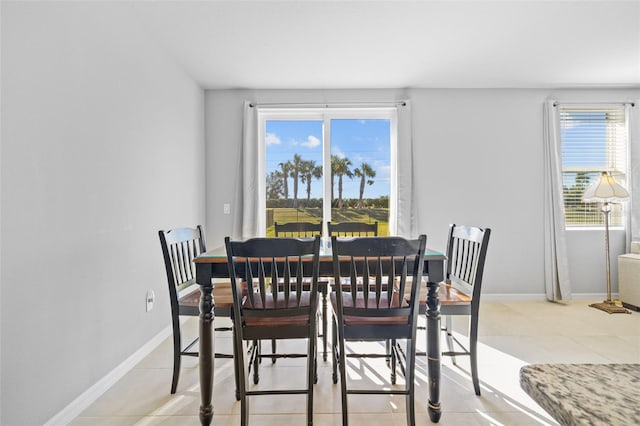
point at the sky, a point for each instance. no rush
(358, 140)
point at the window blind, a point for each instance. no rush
(593, 140)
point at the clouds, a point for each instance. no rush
(272, 139)
(311, 142)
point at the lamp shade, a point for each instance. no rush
(606, 189)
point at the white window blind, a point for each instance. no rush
(593, 140)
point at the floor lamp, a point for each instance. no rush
(607, 190)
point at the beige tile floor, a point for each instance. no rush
(512, 334)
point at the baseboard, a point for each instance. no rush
(532, 297)
(88, 397)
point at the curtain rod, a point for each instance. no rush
(328, 104)
(555, 104)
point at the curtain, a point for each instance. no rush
(245, 219)
(556, 264)
(633, 182)
(406, 214)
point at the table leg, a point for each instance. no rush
(206, 353)
(433, 351)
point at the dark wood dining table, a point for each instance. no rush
(213, 264)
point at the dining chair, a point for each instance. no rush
(263, 311)
(352, 229)
(179, 247)
(460, 292)
(374, 273)
(306, 230)
(297, 229)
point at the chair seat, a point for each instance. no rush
(258, 314)
(347, 301)
(222, 297)
(448, 295)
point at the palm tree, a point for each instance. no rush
(341, 169)
(274, 185)
(309, 171)
(285, 169)
(296, 165)
(363, 172)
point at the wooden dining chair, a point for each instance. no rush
(352, 229)
(297, 229)
(460, 292)
(306, 230)
(375, 273)
(179, 247)
(263, 311)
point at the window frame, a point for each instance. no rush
(326, 114)
(614, 169)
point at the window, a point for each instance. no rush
(329, 164)
(593, 140)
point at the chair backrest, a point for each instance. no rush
(179, 247)
(466, 254)
(255, 264)
(392, 266)
(298, 229)
(353, 229)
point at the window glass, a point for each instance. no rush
(593, 140)
(325, 166)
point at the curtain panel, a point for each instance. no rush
(633, 182)
(556, 264)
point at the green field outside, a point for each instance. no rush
(367, 215)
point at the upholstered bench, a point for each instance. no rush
(629, 277)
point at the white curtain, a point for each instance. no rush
(245, 219)
(406, 214)
(556, 264)
(633, 182)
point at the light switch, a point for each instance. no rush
(227, 209)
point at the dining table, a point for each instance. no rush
(212, 264)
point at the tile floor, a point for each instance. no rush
(512, 334)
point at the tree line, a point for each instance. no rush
(304, 171)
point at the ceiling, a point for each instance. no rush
(354, 44)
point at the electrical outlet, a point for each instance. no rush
(151, 298)
(227, 208)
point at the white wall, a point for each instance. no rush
(481, 157)
(102, 145)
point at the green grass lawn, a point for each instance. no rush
(368, 215)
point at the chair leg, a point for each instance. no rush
(273, 350)
(241, 371)
(236, 366)
(343, 380)
(324, 323)
(393, 360)
(410, 370)
(176, 355)
(448, 330)
(312, 376)
(473, 352)
(256, 361)
(334, 351)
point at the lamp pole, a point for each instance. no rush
(606, 209)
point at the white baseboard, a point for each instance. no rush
(88, 397)
(532, 297)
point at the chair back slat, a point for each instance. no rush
(298, 229)
(352, 229)
(378, 275)
(267, 276)
(180, 247)
(466, 253)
